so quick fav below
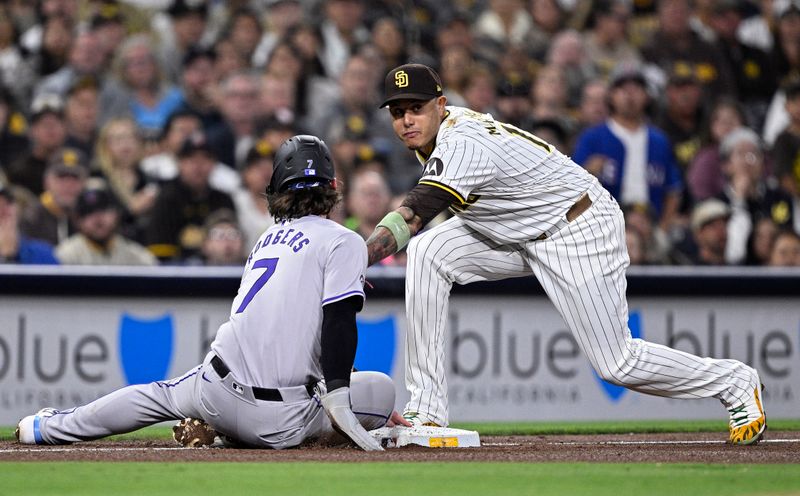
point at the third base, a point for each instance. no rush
(430, 437)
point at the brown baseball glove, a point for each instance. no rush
(193, 433)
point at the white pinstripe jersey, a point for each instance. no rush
(272, 338)
(508, 184)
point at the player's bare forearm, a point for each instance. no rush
(381, 243)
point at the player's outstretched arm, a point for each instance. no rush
(421, 205)
(339, 340)
(384, 240)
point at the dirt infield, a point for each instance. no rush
(779, 447)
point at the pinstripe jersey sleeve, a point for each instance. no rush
(460, 163)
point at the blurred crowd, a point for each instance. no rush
(142, 132)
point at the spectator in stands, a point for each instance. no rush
(479, 89)
(198, 86)
(37, 38)
(80, 114)
(181, 29)
(755, 78)
(548, 19)
(16, 73)
(785, 250)
(368, 199)
(682, 114)
(349, 141)
(281, 16)
(97, 241)
(503, 23)
(50, 219)
(704, 176)
(786, 51)
(175, 229)
(593, 108)
(456, 64)
(117, 162)
(759, 248)
(676, 43)
(786, 152)
(251, 207)
(635, 245)
(86, 59)
(513, 100)
(51, 52)
(357, 96)
(709, 223)
(239, 96)
(47, 134)
(163, 166)
(13, 132)
(223, 240)
(342, 30)
(277, 97)
(109, 24)
(456, 31)
(655, 243)
(550, 97)
(244, 32)
(16, 248)
(632, 158)
(229, 61)
(274, 131)
(389, 40)
(568, 53)
(606, 42)
(139, 89)
(757, 29)
(305, 39)
(286, 63)
(750, 196)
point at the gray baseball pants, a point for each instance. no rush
(224, 403)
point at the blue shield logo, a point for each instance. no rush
(145, 348)
(612, 390)
(376, 343)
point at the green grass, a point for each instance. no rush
(532, 428)
(386, 479)
(616, 427)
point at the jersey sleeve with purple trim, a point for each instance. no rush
(459, 163)
(345, 269)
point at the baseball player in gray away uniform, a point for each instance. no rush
(292, 323)
(521, 207)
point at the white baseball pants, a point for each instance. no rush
(582, 269)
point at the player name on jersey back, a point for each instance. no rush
(506, 182)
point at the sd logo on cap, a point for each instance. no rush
(411, 82)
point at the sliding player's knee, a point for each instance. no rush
(372, 397)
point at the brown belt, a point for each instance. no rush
(575, 211)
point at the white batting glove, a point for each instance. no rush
(337, 406)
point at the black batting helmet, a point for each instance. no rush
(302, 161)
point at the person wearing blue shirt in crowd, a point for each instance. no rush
(631, 158)
(14, 247)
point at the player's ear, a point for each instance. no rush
(441, 102)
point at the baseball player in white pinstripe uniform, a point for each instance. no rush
(521, 207)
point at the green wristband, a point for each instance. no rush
(395, 223)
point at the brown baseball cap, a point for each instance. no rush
(68, 162)
(411, 82)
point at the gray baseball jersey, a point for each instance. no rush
(511, 195)
(281, 276)
(255, 386)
